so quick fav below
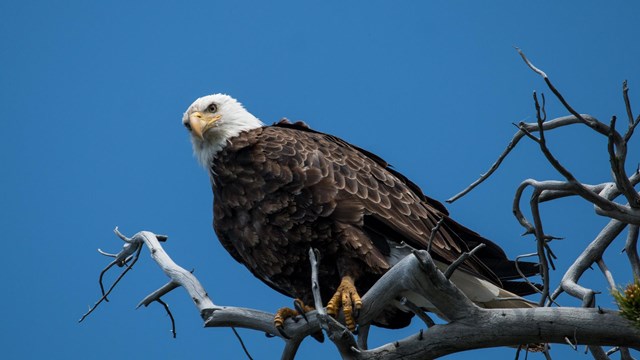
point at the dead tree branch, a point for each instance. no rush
(418, 274)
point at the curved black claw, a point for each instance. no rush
(284, 334)
(299, 306)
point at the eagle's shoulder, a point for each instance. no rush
(302, 127)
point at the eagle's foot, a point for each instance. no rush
(347, 298)
(287, 313)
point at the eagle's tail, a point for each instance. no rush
(508, 300)
(482, 292)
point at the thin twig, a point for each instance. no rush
(434, 231)
(540, 243)
(104, 271)
(540, 119)
(627, 105)
(572, 345)
(617, 158)
(522, 127)
(533, 286)
(607, 274)
(550, 255)
(631, 248)
(596, 126)
(244, 348)
(613, 350)
(124, 272)
(467, 254)
(416, 310)
(173, 321)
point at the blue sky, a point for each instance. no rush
(92, 94)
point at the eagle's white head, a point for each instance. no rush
(212, 120)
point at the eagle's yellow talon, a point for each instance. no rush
(347, 298)
(283, 314)
(286, 313)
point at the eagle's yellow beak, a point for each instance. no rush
(200, 123)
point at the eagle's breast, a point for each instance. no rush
(273, 194)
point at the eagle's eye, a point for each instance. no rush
(212, 108)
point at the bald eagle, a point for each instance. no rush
(282, 189)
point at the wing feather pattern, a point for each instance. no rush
(396, 209)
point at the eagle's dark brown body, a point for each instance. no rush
(282, 189)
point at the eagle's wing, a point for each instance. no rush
(391, 209)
